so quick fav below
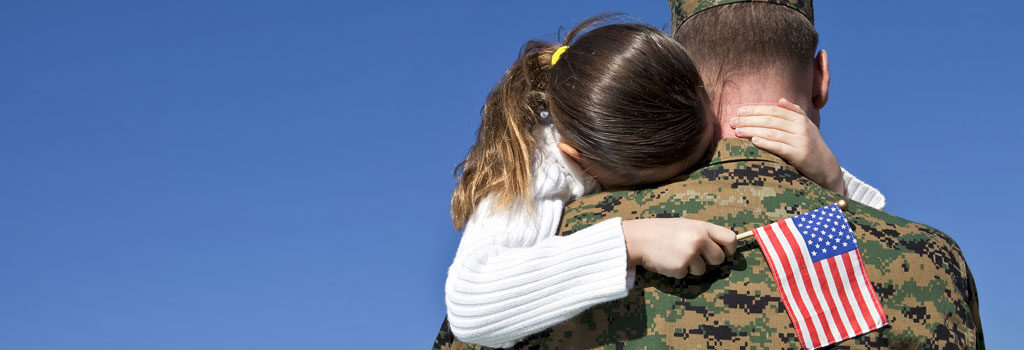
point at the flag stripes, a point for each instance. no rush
(829, 300)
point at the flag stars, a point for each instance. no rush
(825, 232)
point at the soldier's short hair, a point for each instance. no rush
(747, 37)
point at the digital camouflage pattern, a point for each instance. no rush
(919, 273)
(684, 9)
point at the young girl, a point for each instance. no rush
(615, 107)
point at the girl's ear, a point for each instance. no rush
(570, 151)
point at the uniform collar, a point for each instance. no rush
(735, 150)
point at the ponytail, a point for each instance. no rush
(499, 161)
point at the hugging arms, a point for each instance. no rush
(614, 107)
(748, 53)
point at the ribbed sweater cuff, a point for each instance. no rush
(862, 192)
(588, 268)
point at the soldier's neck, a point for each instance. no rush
(754, 90)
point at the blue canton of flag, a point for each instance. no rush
(825, 232)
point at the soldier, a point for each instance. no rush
(749, 52)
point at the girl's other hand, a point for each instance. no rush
(786, 131)
(675, 247)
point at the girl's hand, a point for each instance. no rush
(676, 247)
(786, 131)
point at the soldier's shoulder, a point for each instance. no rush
(898, 231)
(921, 278)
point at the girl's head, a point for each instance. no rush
(626, 99)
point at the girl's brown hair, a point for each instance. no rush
(626, 96)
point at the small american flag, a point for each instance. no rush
(821, 277)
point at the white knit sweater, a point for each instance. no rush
(512, 276)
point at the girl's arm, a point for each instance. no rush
(512, 276)
(786, 131)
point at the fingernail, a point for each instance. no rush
(741, 110)
(783, 99)
(733, 122)
(755, 139)
(739, 131)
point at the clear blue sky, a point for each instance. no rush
(276, 175)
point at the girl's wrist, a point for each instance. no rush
(631, 234)
(836, 183)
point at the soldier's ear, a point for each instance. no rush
(570, 151)
(819, 87)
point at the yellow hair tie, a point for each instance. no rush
(558, 54)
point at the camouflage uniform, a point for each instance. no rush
(918, 272)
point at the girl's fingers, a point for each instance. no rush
(724, 237)
(758, 121)
(763, 121)
(775, 111)
(682, 273)
(784, 103)
(696, 265)
(712, 253)
(764, 133)
(778, 148)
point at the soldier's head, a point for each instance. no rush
(754, 51)
(626, 99)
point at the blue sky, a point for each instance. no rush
(276, 175)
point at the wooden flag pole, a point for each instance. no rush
(750, 234)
